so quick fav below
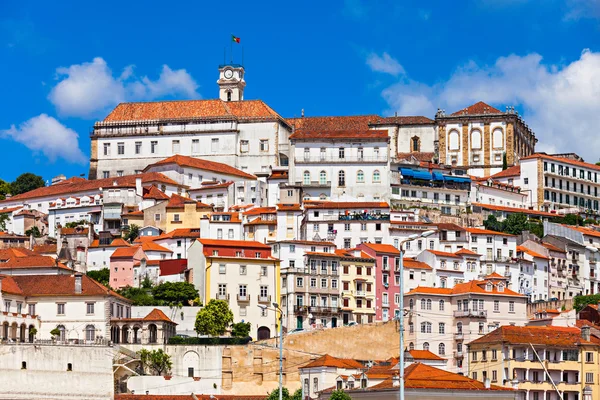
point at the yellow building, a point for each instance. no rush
(357, 274)
(177, 213)
(539, 361)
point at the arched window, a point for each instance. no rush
(62, 331)
(306, 177)
(411, 304)
(501, 287)
(498, 139)
(415, 144)
(228, 95)
(411, 346)
(376, 176)
(441, 305)
(423, 304)
(459, 327)
(322, 196)
(341, 178)
(476, 139)
(425, 346)
(360, 176)
(323, 178)
(429, 304)
(453, 140)
(442, 349)
(442, 328)
(90, 333)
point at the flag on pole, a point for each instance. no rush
(235, 38)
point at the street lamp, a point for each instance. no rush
(401, 314)
(278, 309)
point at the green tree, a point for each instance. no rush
(4, 189)
(504, 162)
(101, 275)
(492, 223)
(34, 230)
(175, 292)
(4, 217)
(156, 361)
(147, 283)
(537, 228)
(241, 329)
(134, 232)
(339, 395)
(274, 395)
(26, 182)
(139, 296)
(214, 318)
(579, 302)
(297, 395)
(75, 224)
(514, 224)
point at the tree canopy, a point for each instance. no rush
(139, 296)
(101, 275)
(579, 302)
(241, 329)
(134, 232)
(4, 189)
(156, 361)
(285, 394)
(339, 395)
(514, 224)
(175, 292)
(214, 318)
(26, 182)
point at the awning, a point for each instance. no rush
(411, 173)
(438, 176)
(458, 179)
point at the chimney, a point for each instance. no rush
(585, 333)
(78, 283)
(486, 383)
(139, 190)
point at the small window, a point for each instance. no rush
(23, 364)
(69, 367)
(264, 145)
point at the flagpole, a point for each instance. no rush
(231, 50)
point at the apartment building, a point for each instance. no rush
(243, 273)
(493, 192)
(341, 165)
(260, 224)
(558, 279)
(560, 184)
(450, 269)
(347, 224)
(536, 281)
(358, 283)
(401, 230)
(544, 363)
(444, 320)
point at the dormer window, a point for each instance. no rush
(501, 287)
(488, 287)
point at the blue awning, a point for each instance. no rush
(458, 179)
(407, 173)
(411, 173)
(438, 176)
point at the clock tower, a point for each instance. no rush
(231, 82)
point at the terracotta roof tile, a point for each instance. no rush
(6, 254)
(154, 193)
(260, 221)
(370, 134)
(10, 209)
(467, 252)
(45, 248)
(414, 264)
(478, 231)
(260, 210)
(562, 160)
(151, 246)
(515, 170)
(30, 262)
(60, 285)
(424, 355)
(531, 252)
(118, 242)
(419, 156)
(584, 230)
(199, 163)
(537, 335)
(246, 244)
(321, 254)
(177, 201)
(289, 207)
(477, 109)
(381, 248)
(514, 210)
(353, 122)
(475, 286)
(405, 120)
(74, 231)
(125, 252)
(329, 361)
(552, 247)
(157, 315)
(173, 267)
(443, 254)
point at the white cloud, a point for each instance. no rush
(580, 9)
(88, 89)
(44, 134)
(559, 101)
(385, 64)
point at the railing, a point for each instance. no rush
(470, 313)
(70, 342)
(315, 184)
(223, 296)
(459, 336)
(458, 354)
(346, 159)
(360, 293)
(243, 298)
(324, 310)
(264, 299)
(300, 309)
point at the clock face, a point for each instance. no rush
(228, 74)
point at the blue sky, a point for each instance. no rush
(66, 64)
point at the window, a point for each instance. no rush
(442, 349)
(442, 328)
(263, 269)
(441, 305)
(496, 305)
(221, 268)
(153, 146)
(341, 152)
(214, 145)
(306, 178)
(60, 309)
(243, 291)
(323, 178)
(244, 146)
(589, 357)
(341, 178)
(376, 176)
(89, 308)
(425, 327)
(425, 346)
(589, 377)
(511, 306)
(264, 145)
(107, 149)
(360, 176)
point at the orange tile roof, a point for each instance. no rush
(443, 254)
(475, 286)
(32, 261)
(321, 254)
(289, 207)
(260, 221)
(467, 252)
(329, 361)
(157, 315)
(584, 230)
(404, 120)
(76, 185)
(515, 170)
(345, 204)
(349, 253)
(424, 355)
(199, 163)
(6, 254)
(154, 193)
(260, 210)
(419, 156)
(177, 201)
(514, 210)
(9, 285)
(44, 248)
(74, 231)
(151, 246)
(552, 247)
(494, 275)
(381, 248)
(192, 109)
(350, 122)
(380, 135)
(414, 264)
(234, 243)
(569, 161)
(125, 252)
(181, 233)
(187, 397)
(308, 242)
(138, 213)
(537, 335)
(118, 242)
(478, 231)
(531, 252)
(477, 109)
(279, 175)
(10, 209)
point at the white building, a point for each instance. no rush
(100, 251)
(491, 191)
(534, 272)
(341, 165)
(84, 209)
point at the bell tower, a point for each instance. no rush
(231, 82)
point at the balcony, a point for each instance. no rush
(223, 296)
(458, 354)
(243, 298)
(360, 293)
(323, 310)
(264, 299)
(459, 336)
(470, 314)
(314, 184)
(337, 160)
(300, 309)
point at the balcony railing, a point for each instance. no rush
(360, 293)
(459, 336)
(458, 354)
(243, 298)
(336, 160)
(323, 310)
(470, 313)
(223, 296)
(264, 299)
(314, 184)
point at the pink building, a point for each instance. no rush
(387, 279)
(122, 262)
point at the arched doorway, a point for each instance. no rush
(152, 333)
(13, 331)
(31, 335)
(136, 335)
(263, 333)
(22, 332)
(125, 334)
(5, 328)
(283, 160)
